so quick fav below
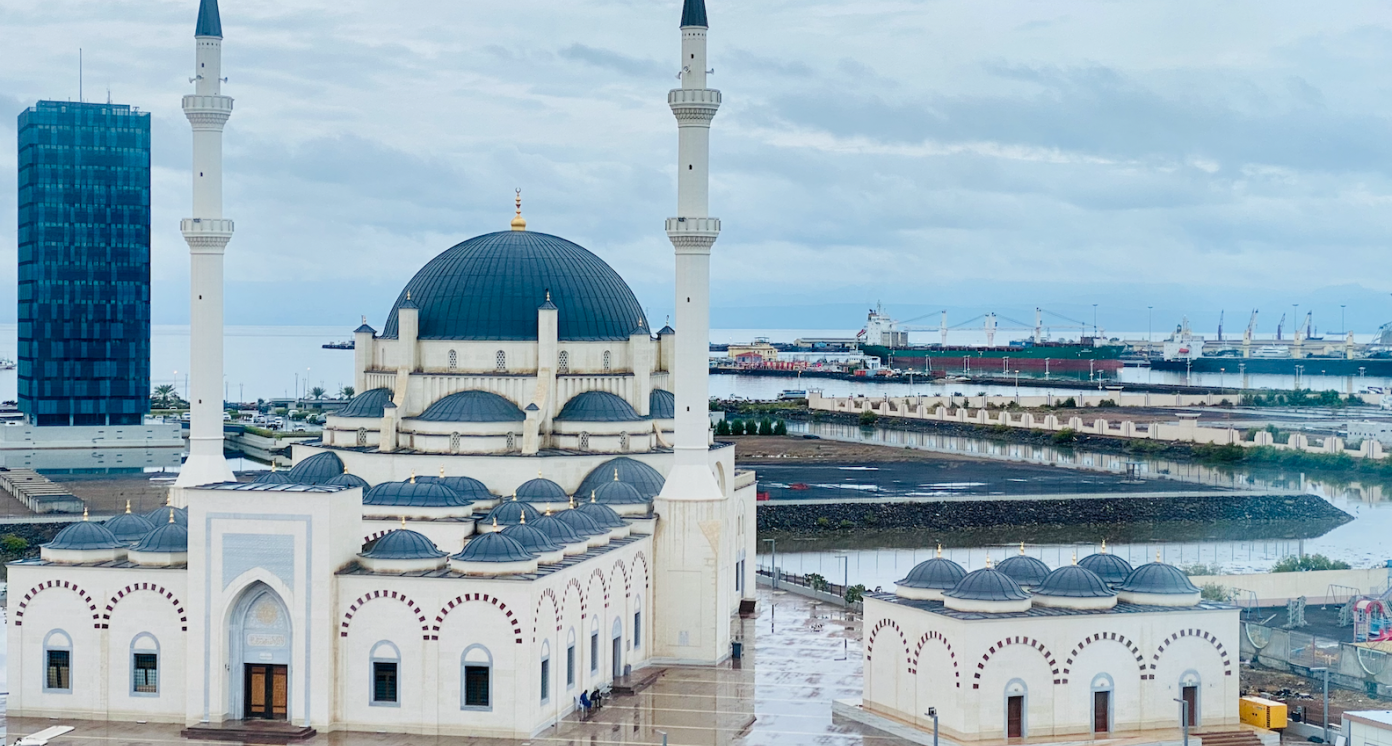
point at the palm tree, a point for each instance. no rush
(317, 392)
(346, 392)
(163, 394)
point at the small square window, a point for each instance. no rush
(146, 673)
(384, 682)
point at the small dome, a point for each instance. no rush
(170, 537)
(467, 487)
(1158, 577)
(1073, 581)
(403, 544)
(541, 490)
(1111, 568)
(371, 404)
(581, 523)
(532, 539)
(662, 405)
(129, 527)
(508, 512)
(349, 480)
(493, 547)
(272, 477)
(647, 480)
(617, 493)
(85, 535)
(603, 515)
(160, 516)
(414, 495)
(559, 531)
(317, 469)
(936, 573)
(598, 406)
(986, 584)
(472, 406)
(1024, 569)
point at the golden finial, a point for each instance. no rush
(519, 223)
(1104, 546)
(345, 469)
(988, 560)
(364, 318)
(1022, 547)
(413, 476)
(548, 295)
(616, 473)
(524, 518)
(1157, 554)
(940, 551)
(572, 501)
(442, 472)
(273, 464)
(1075, 556)
(171, 515)
(495, 523)
(84, 512)
(128, 507)
(403, 521)
(169, 500)
(538, 473)
(548, 510)
(514, 496)
(408, 295)
(592, 497)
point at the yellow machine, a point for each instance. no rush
(1263, 713)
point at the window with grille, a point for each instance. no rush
(637, 629)
(584, 441)
(476, 686)
(608, 361)
(453, 360)
(545, 679)
(362, 437)
(594, 652)
(384, 682)
(59, 670)
(570, 666)
(563, 366)
(623, 441)
(146, 673)
(454, 442)
(512, 441)
(501, 364)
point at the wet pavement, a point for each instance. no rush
(799, 656)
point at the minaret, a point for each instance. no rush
(692, 584)
(207, 234)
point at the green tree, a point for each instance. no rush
(737, 427)
(346, 392)
(164, 395)
(1213, 592)
(11, 544)
(766, 426)
(855, 594)
(317, 392)
(816, 581)
(868, 418)
(722, 428)
(1308, 563)
(780, 428)
(1065, 436)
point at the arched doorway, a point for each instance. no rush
(259, 674)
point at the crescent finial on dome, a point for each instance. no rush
(519, 223)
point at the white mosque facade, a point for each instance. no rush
(498, 521)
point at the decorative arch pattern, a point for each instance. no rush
(363, 599)
(1019, 640)
(1207, 637)
(579, 593)
(36, 590)
(882, 624)
(918, 650)
(623, 569)
(1101, 636)
(603, 584)
(536, 614)
(159, 589)
(483, 597)
(647, 573)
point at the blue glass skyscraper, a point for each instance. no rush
(84, 264)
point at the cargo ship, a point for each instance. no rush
(1304, 354)
(1034, 357)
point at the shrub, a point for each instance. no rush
(823, 522)
(1200, 568)
(722, 428)
(765, 426)
(870, 519)
(817, 582)
(845, 524)
(868, 418)
(1213, 592)
(1069, 403)
(1065, 436)
(780, 428)
(1308, 563)
(737, 427)
(12, 544)
(855, 594)
(1106, 403)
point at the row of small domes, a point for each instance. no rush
(1094, 582)
(156, 536)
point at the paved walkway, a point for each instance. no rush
(799, 656)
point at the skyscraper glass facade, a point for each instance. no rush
(84, 264)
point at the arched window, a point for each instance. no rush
(608, 361)
(638, 622)
(57, 649)
(454, 442)
(501, 364)
(584, 441)
(563, 366)
(453, 360)
(386, 670)
(476, 674)
(1102, 688)
(144, 657)
(572, 667)
(362, 437)
(544, 675)
(594, 645)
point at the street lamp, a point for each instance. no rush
(1184, 718)
(845, 596)
(933, 713)
(1325, 719)
(773, 561)
(1094, 320)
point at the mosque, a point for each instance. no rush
(524, 501)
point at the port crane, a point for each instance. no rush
(879, 324)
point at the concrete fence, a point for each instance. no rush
(1188, 430)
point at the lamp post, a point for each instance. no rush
(933, 713)
(1184, 718)
(1325, 719)
(773, 561)
(846, 610)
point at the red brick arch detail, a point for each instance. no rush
(647, 573)
(918, 650)
(603, 583)
(1018, 640)
(1205, 636)
(159, 589)
(623, 569)
(536, 614)
(63, 584)
(363, 599)
(1105, 637)
(882, 624)
(579, 592)
(481, 597)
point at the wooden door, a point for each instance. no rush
(1191, 696)
(267, 691)
(1101, 708)
(280, 692)
(1015, 717)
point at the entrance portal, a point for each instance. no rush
(267, 691)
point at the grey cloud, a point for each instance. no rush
(612, 60)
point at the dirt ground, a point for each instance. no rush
(1297, 691)
(775, 449)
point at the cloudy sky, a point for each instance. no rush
(1186, 155)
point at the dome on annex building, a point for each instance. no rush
(84, 536)
(317, 469)
(647, 480)
(603, 515)
(558, 530)
(414, 495)
(403, 544)
(467, 487)
(272, 477)
(580, 523)
(370, 404)
(349, 480)
(1111, 568)
(531, 538)
(493, 547)
(617, 493)
(489, 288)
(160, 516)
(598, 406)
(1024, 569)
(170, 537)
(1158, 577)
(509, 512)
(987, 584)
(1074, 581)
(936, 573)
(541, 490)
(128, 526)
(472, 406)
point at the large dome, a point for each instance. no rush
(490, 287)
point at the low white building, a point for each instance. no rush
(1368, 727)
(1020, 651)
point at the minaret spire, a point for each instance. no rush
(207, 234)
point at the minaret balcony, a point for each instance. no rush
(208, 234)
(694, 105)
(693, 233)
(207, 112)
